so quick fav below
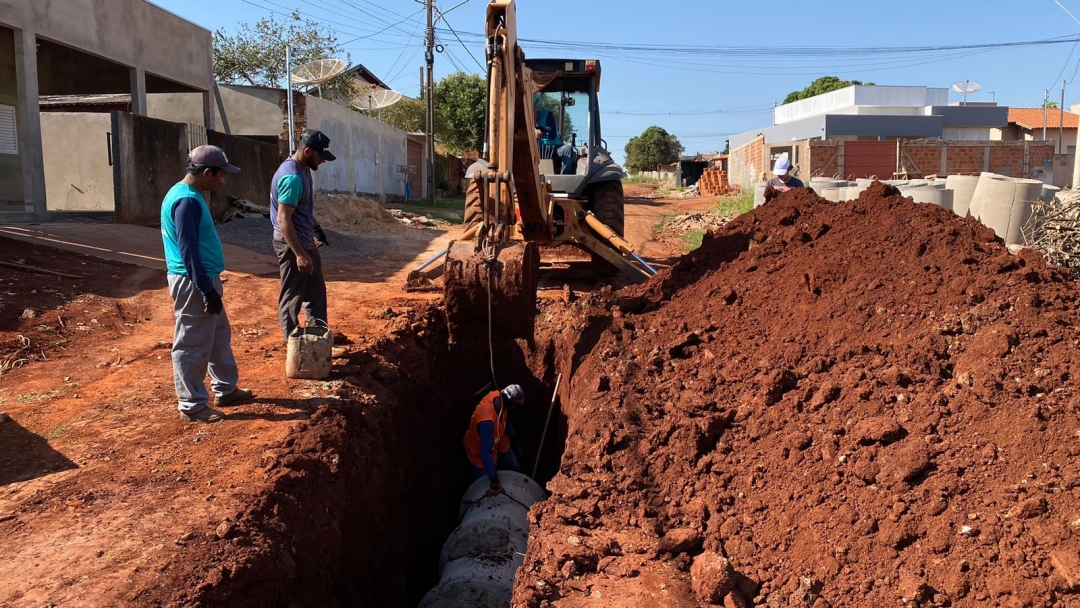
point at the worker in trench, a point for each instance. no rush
(202, 340)
(490, 442)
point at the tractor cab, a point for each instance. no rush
(573, 155)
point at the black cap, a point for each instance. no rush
(318, 141)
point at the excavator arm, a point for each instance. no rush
(509, 140)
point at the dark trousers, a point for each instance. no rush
(299, 290)
(507, 462)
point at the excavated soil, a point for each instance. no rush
(854, 404)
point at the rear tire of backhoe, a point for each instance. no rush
(606, 203)
(473, 211)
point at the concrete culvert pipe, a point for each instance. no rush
(963, 187)
(1004, 204)
(1049, 192)
(481, 556)
(759, 194)
(931, 195)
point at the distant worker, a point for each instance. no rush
(202, 340)
(784, 180)
(490, 442)
(297, 234)
(551, 145)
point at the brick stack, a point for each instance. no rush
(714, 182)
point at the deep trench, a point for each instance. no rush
(436, 473)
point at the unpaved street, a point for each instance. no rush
(106, 497)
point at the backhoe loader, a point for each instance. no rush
(536, 187)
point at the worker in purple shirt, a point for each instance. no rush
(297, 234)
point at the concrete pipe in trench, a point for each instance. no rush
(481, 556)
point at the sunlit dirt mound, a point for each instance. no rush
(859, 404)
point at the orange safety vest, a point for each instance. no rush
(486, 412)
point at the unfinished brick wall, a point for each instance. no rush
(826, 159)
(746, 164)
(932, 157)
(963, 159)
(923, 160)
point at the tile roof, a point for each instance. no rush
(1032, 118)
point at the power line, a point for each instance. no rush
(783, 51)
(444, 20)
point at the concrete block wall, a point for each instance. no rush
(368, 151)
(257, 161)
(746, 164)
(75, 149)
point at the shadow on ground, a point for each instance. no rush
(25, 455)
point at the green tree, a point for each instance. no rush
(653, 147)
(255, 55)
(459, 104)
(1050, 104)
(410, 115)
(825, 84)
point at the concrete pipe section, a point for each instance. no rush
(930, 195)
(1049, 193)
(1004, 204)
(481, 556)
(963, 187)
(759, 194)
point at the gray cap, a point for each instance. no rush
(211, 157)
(514, 393)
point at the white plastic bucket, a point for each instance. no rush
(310, 350)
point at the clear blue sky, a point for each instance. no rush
(742, 86)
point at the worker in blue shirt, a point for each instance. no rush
(202, 340)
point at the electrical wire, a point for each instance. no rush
(443, 17)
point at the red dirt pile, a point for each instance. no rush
(859, 404)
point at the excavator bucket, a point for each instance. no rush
(496, 294)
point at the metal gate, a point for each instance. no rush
(415, 157)
(869, 159)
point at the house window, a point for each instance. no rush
(9, 141)
(1070, 149)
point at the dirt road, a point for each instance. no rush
(108, 499)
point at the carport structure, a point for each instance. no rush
(85, 47)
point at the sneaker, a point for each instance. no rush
(238, 396)
(206, 415)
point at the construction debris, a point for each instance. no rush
(1054, 230)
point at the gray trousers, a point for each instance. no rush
(201, 343)
(299, 290)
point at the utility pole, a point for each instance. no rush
(288, 71)
(1046, 102)
(429, 55)
(1061, 113)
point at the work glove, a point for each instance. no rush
(212, 302)
(320, 237)
(495, 489)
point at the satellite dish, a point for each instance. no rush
(370, 96)
(317, 72)
(966, 87)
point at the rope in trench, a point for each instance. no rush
(489, 262)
